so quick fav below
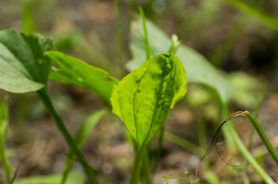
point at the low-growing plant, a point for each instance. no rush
(142, 99)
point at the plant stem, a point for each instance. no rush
(248, 157)
(71, 143)
(141, 167)
(146, 37)
(262, 135)
(135, 176)
(159, 149)
(3, 127)
(182, 142)
(119, 39)
(234, 139)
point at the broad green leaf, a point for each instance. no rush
(73, 71)
(14, 77)
(198, 69)
(74, 178)
(28, 50)
(21, 66)
(143, 98)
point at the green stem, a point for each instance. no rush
(145, 168)
(135, 175)
(61, 126)
(119, 39)
(146, 37)
(141, 167)
(5, 162)
(263, 136)
(159, 149)
(182, 142)
(248, 157)
(3, 127)
(234, 139)
(251, 11)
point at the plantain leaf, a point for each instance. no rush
(198, 69)
(73, 71)
(21, 66)
(28, 50)
(143, 98)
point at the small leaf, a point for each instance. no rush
(73, 71)
(143, 98)
(198, 69)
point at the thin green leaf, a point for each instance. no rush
(248, 156)
(146, 38)
(3, 130)
(143, 98)
(73, 71)
(251, 11)
(27, 18)
(198, 69)
(82, 135)
(263, 136)
(86, 128)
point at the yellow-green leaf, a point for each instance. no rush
(144, 97)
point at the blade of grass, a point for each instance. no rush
(119, 38)
(183, 143)
(146, 37)
(82, 135)
(249, 10)
(248, 157)
(262, 135)
(230, 131)
(220, 53)
(61, 126)
(3, 129)
(27, 19)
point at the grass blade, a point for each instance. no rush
(70, 141)
(146, 37)
(262, 135)
(242, 149)
(82, 135)
(3, 129)
(249, 10)
(28, 25)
